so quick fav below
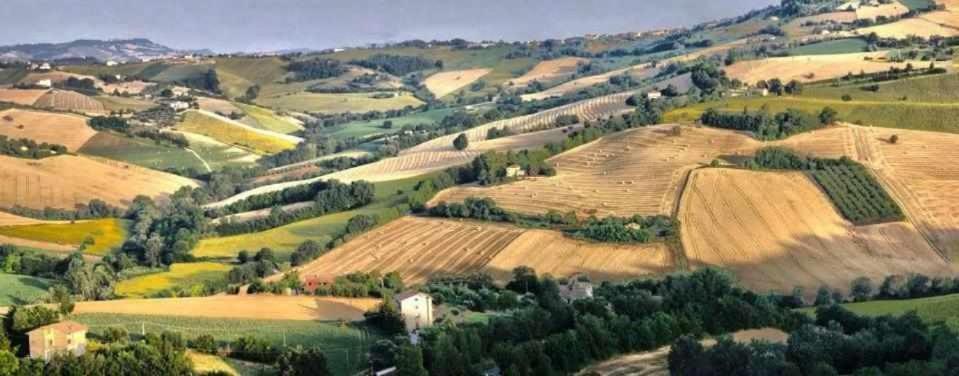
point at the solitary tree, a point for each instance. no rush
(461, 142)
(894, 139)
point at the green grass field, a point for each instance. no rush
(927, 116)
(453, 59)
(231, 134)
(942, 88)
(21, 289)
(114, 103)
(284, 239)
(141, 152)
(236, 74)
(374, 127)
(11, 76)
(345, 345)
(147, 70)
(917, 4)
(338, 103)
(265, 119)
(107, 234)
(182, 275)
(943, 309)
(180, 72)
(840, 46)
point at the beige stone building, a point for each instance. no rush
(67, 337)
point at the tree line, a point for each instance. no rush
(315, 69)
(29, 149)
(766, 126)
(397, 65)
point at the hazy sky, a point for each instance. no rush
(263, 25)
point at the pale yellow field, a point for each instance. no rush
(811, 68)
(777, 231)
(217, 105)
(268, 307)
(420, 248)
(923, 26)
(70, 101)
(204, 363)
(53, 76)
(131, 87)
(918, 171)
(22, 97)
(71, 131)
(443, 83)
(232, 132)
(550, 70)
(65, 181)
(886, 10)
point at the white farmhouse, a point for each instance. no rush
(111, 63)
(44, 83)
(416, 308)
(654, 95)
(179, 105)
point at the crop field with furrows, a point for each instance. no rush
(550, 70)
(106, 234)
(141, 152)
(832, 47)
(634, 172)
(70, 101)
(182, 275)
(812, 67)
(590, 109)
(265, 119)
(919, 172)
(21, 97)
(235, 133)
(65, 181)
(339, 103)
(22, 289)
(929, 116)
(114, 103)
(345, 345)
(777, 231)
(443, 83)
(417, 249)
(71, 131)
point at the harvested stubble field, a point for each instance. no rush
(70, 101)
(54, 77)
(639, 71)
(420, 248)
(65, 181)
(777, 231)
(812, 67)
(550, 70)
(270, 307)
(107, 234)
(21, 97)
(941, 22)
(339, 103)
(182, 275)
(235, 133)
(71, 131)
(127, 87)
(892, 9)
(216, 105)
(920, 173)
(443, 83)
(115, 103)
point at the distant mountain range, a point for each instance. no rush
(121, 50)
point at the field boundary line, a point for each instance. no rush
(207, 165)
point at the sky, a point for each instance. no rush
(271, 25)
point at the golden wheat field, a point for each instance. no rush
(71, 131)
(777, 231)
(7, 219)
(443, 83)
(268, 307)
(811, 68)
(420, 248)
(65, 181)
(70, 101)
(550, 70)
(21, 97)
(891, 9)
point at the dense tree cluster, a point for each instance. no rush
(208, 81)
(27, 148)
(476, 292)
(326, 196)
(85, 86)
(764, 125)
(161, 235)
(626, 230)
(96, 208)
(363, 285)
(552, 337)
(121, 125)
(397, 64)
(315, 69)
(850, 186)
(840, 342)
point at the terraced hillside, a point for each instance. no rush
(420, 248)
(776, 231)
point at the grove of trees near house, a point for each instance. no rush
(766, 126)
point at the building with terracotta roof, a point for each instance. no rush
(65, 337)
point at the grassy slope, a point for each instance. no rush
(927, 116)
(841, 46)
(179, 72)
(344, 345)
(230, 134)
(936, 309)
(266, 119)
(283, 240)
(183, 275)
(107, 233)
(239, 73)
(938, 89)
(21, 289)
(141, 152)
(362, 128)
(338, 103)
(11, 76)
(917, 4)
